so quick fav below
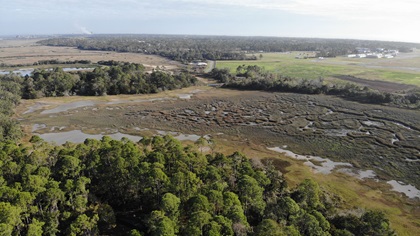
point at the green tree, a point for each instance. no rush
(233, 208)
(268, 227)
(198, 203)
(309, 225)
(84, 225)
(196, 222)
(161, 225)
(107, 218)
(216, 201)
(285, 208)
(9, 218)
(170, 205)
(375, 224)
(158, 181)
(251, 195)
(35, 228)
(307, 195)
(68, 166)
(212, 229)
(225, 223)
(185, 184)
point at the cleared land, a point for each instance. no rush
(405, 68)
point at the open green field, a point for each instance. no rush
(405, 68)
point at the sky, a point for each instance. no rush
(389, 20)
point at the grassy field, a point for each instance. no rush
(403, 69)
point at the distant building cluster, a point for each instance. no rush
(377, 53)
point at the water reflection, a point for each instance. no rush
(409, 190)
(326, 166)
(318, 164)
(77, 136)
(69, 106)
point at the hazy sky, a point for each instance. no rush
(361, 19)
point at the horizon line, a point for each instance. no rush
(15, 36)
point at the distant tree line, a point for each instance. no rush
(190, 48)
(55, 62)
(159, 187)
(48, 62)
(117, 78)
(256, 78)
(10, 90)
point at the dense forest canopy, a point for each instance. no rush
(190, 48)
(160, 187)
(113, 79)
